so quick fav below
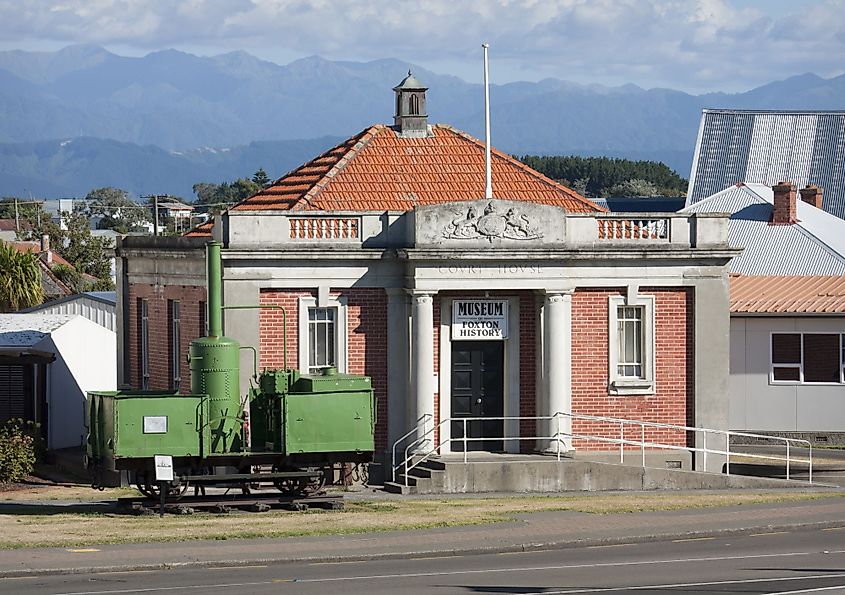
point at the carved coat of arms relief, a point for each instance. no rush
(491, 224)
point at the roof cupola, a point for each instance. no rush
(411, 119)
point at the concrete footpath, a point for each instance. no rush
(536, 531)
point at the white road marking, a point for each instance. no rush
(842, 587)
(701, 584)
(158, 589)
(500, 570)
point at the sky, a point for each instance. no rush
(691, 45)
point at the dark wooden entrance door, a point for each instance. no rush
(478, 391)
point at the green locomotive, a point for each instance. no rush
(289, 430)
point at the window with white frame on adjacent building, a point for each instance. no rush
(631, 334)
(811, 358)
(322, 329)
(629, 341)
(322, 336)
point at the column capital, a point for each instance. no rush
(559, 296)
(420, 297)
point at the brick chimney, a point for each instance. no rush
(46, 254)
(812, 195)
(785, 196)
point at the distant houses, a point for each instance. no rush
(787, 288)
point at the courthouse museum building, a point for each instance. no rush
(389, 262)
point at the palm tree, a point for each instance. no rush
(20, 279)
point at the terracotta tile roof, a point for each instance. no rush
(55, 257)
(378, 171)
(786, 294)
(203, 230)
(11, 225)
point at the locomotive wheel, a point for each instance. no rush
(291, 486)
(317, 483)
(150, 489)
(297, 486)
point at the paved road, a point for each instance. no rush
(767, 562)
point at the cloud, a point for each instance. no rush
(693, 44)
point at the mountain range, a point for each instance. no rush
(84, 117)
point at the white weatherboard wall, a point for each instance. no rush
(86, 360)
(757, 404)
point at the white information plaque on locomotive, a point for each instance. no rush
(479, 320)
(164, 467)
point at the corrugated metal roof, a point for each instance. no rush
(813, 246)
(783, 294)
(767, 147)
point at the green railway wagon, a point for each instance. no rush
(126, 426)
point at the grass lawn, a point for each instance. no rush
(66, 530)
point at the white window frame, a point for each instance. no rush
(800, 366)
(623, 385)
(341, 330)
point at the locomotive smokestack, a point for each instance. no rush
(215, 292)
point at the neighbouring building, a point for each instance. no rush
(788, 356)
(766, 147)
(389, 262)
(787, 373)
(47, 364)
(96, 306)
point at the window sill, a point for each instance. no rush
(631, 387)
(800, 383)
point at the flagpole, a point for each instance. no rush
(488, 176)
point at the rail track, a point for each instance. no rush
(226, 502)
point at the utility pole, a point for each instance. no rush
(155, 216)
(17, 218)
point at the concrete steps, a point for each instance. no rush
(547, 474)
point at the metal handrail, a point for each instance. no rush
(423, 435)
(727, 433)
(420, 421)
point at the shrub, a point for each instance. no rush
(17, 451)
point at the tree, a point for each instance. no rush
(634, 187)
(260, 178)
(220, 196)
(87, 253)
(598, 176)
(116, 210)
(20, 279)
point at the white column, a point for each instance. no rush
(422, 338)
(558, 343)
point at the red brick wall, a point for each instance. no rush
(366, 338)
(673, 401)
(191, 298)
